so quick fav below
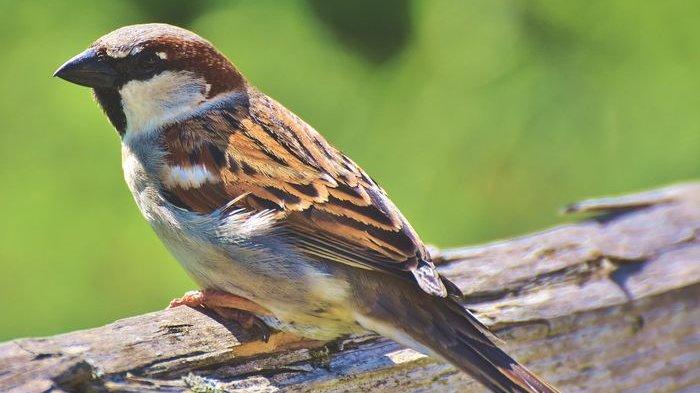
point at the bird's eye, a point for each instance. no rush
(149, 62)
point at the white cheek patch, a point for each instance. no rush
(161, 100)
(188, 177)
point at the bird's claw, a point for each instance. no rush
(247, 320)
(228, 307)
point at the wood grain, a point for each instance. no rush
(608, 304)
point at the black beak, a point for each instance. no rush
(88, 69)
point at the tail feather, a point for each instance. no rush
(451, 332)
(497, 370)
(441, 327)
(469, 345)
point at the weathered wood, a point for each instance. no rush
(609, 304)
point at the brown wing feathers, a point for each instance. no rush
(266, 154)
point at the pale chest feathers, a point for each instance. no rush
(238, 252)
(140, 160)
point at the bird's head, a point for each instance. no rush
(145, 76)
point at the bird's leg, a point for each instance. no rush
(210, 298)
(248, 320)
(228, 306)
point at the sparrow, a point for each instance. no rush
(270, 220)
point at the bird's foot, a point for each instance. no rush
(194, 299)
(210, 298)
(248, 320)
(229, 307)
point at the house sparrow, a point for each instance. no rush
(265, 215)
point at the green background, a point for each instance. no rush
(480, 118)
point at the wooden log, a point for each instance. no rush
(609, 304)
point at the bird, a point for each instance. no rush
(275, 225)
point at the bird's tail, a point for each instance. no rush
(445, 329)
(468, 345)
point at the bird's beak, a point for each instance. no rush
(88, 69)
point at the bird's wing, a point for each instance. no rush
(260, 155)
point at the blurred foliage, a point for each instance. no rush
(176, 12)
(377, 30)
(480, 118)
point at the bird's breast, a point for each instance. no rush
(241, 253)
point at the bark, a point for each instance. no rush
(608, 304)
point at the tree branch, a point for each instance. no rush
(608, 304)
